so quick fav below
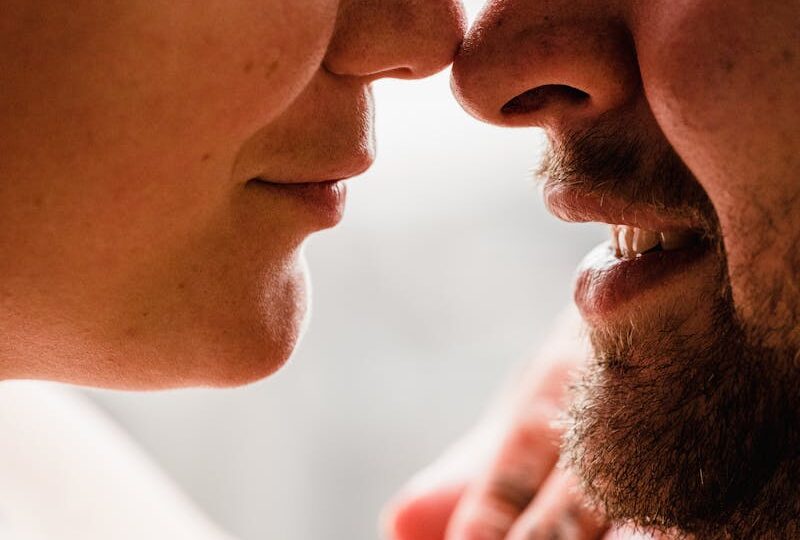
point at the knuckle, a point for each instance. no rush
(515, 492)
(481, 530)
(535, 431)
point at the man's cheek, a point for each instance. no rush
(722, 81)
(698, 67)
(765, 297)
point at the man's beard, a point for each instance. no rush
(682, 422)
(691, 430)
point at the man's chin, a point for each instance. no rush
(679, 423)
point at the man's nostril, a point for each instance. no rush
(543, 96)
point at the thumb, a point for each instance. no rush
(421, 515)
(423, 508)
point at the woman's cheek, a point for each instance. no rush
(248, 68)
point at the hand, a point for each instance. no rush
(501, 481)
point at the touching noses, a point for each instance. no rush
(405, 39)
(546, 63)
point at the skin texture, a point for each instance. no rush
(137, 253)
(686, 418)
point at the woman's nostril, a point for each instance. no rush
(543, 96)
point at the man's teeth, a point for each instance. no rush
(631, 242)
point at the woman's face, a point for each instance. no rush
(161, 164)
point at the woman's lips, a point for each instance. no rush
(607, 282)
(323, 202)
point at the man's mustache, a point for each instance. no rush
(607, 160)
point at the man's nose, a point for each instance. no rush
(405, 39)
(548, 63)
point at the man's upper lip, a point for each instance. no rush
(576, 204)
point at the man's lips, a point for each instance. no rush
(608, 285)
(581, 206)
(651, 248)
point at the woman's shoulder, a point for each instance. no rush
(70, 472)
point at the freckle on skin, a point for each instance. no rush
(788, 56)
(271, 67)
(248, 67)
(728, 64)
(206, 156)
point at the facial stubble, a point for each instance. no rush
(686, 422)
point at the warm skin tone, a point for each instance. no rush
(687, 419)
(137, 250)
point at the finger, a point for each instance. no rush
(423, 508)
(492, 457)
(526, 455)
(558, 512)
(423, 515)
(490, 506)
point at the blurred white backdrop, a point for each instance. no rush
(445, 271)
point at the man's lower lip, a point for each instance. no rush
(323, 201)
(606, 283)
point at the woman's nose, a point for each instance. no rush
(395, 38)
(546, 63)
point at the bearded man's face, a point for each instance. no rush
(677, 123)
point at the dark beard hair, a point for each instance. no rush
(689, 424)
(609, 158)
(691, 430)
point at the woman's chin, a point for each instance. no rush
(248, 347)
(226, 333)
